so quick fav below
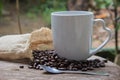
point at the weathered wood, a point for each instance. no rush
(117, 59)
(11, 71)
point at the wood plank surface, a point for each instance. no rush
(11, 71)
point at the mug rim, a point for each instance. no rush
(72, 13)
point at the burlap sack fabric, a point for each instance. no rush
(20, 46)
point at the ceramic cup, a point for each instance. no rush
(72, 34)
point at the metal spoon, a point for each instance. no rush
(56, 71)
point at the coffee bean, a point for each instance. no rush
(30, 67)
(36, 60)
(45, 59)
(51, 63)
(84, 69)
(56, 57)
(39, 55)
(79, 66)
(34, 65)
(21, 67)
(62, 68)
(37, 67)
(84, 65)
(102, 64)
(90, 68)
(51, 58)
(70, 68)
(105, 61)
(75, 69)
(47, 64)
(97, 60)
(97, 65)
(60, 65)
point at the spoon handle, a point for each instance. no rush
(89, 73)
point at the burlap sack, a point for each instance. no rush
(20, 46)
(41, 39)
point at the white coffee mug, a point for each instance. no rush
(72, 34)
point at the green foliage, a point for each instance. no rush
(107, 53)
(1, 6)
(118, 26)
(101, 4)
(116, 3)
(45, 7)
(50, 6)
(31, 15)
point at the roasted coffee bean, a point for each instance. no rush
(75, 69)
(21, 67)
(72, 64)
(40, 68)
(34, 65)
(97, 60)
(42, 57)
(105, 61)
(39, 55)
(84, 65)
(46, 64)
(51, 58)
(60, 65)
(66, 61)
(55, 65)
(45, 59)
(84, 69)
(37, 67)
(70, 68)
(90, 68)
(62, 68)
(34, 52)
(97, 65)
(51, 63)
(36, 60)
(31, 63)
(42, 62)
(79, 66)
(102, 64)
(51, 51)
(55, 57)
(30, 67)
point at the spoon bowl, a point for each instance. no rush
(56, 71)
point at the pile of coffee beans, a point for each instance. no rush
(50, 58)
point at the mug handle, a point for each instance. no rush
(92, 52)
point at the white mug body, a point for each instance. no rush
(72, 31)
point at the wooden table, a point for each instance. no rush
(11, 71)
